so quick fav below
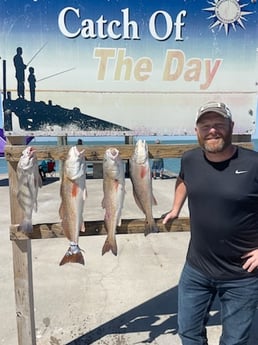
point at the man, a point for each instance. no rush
(221, 183)
(19, 72)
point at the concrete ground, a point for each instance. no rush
(124, 300)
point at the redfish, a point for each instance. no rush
(140, 175)
(29, 181)
(114, 192)
(73, 194)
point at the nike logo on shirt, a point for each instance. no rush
(240, 172)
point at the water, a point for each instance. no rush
(171, 164)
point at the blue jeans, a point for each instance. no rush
(238, 299)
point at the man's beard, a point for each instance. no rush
(216, 145)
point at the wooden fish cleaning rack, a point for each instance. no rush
(21, 243)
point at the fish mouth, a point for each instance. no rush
(112, 153)
(141, 146)
(141, 143)
(141, 151)
(75, 152)
(30, 151)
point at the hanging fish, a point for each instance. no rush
(114, 191)
(73, 194)
(140, 175)
(29, 181)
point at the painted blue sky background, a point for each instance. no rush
(34, 24)
(64, 65)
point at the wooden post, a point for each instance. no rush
(22, 263)
(23, 285)
(61, 141)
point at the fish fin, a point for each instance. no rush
(137, 201)
(26, 226)
(110, 245)
(74, 190)
(72, 258)
(82, 229)
(85, 194)
(61, 211)
(40, 183)
(116, 182)
(143, 172)
(154, 201)
(150, 228)
(35, 207)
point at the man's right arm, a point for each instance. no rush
(179, 199)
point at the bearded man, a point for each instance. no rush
(220, 181)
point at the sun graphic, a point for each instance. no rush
(226, 13)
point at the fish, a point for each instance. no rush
(29, 181)
(114, 193)
(73, 195)
(140, 175)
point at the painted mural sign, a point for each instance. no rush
(112, 67)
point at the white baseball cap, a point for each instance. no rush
(216, 107)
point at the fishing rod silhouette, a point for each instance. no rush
(51, 75)
(37, 52)
(55, 74)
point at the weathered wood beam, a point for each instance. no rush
(128, 226)
(95, 152)
(22, 264)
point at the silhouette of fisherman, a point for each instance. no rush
(19, 72)
(32, 83)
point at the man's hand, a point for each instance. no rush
(252, 260)
(171, 215)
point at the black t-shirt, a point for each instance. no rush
(223, 205)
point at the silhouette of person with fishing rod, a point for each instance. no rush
(19, 72)
(20, 67)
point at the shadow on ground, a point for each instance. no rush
(5, 181)
(156, 317)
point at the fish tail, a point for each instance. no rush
(72, 257)
(110, 244)
(150, 227)
(26, 226)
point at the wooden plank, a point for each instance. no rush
(96, 153)
(23, 286)
(128, 226)
(22, 264)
